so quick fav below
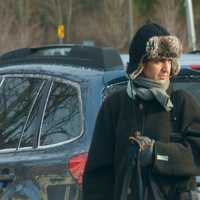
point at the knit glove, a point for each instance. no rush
(146, 146)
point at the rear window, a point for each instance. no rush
(63, 116)
(38, 111)
(189, 85)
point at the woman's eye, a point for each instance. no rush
(157, 61)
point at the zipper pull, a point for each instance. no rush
(141, 107)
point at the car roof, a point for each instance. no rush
(79, 55)
(64, 70)
(78, 61)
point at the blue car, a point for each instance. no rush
(50, 97)
(49, 100)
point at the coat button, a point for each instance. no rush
(129, 190)
(141, 107)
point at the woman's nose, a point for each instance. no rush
(166, 65)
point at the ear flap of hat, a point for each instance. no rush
(175, 67)
(137, 72)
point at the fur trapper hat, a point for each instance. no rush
(152, 41)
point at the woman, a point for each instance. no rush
(140, 123)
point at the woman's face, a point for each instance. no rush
(157, 69)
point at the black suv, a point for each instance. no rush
(49, 100)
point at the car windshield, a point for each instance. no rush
(190, 86)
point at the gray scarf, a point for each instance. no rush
(149, 89)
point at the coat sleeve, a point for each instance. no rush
(98, 179)
(181, 158)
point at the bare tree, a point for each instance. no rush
(107, 24)
(23, 11)
(167, 13)
(27, 23)
(15, 31)
(57, 12)
(196, 9)
(115, 19)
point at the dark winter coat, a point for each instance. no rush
(176, 158)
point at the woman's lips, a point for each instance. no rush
(162, 77)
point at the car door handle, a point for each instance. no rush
(7, 177)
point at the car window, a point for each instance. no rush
(192, 87)
(62, 120)
(17, 95)
(31, 128)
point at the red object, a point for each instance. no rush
(76, 167)
(195, 67)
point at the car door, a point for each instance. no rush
(38, 120)
(60, 141)
(21, 103)
(41, 119)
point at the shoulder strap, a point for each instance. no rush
(175, 134)
(172, 113)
